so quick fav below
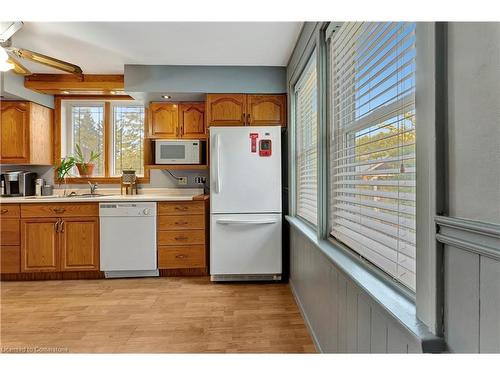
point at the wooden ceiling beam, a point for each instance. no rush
(62, 84)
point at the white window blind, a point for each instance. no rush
(307, 143)
(372, 145)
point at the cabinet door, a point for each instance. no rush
(14, 132)
(226, 109)
(39, 245)
(164, 120)
(266, 110)
(192, 120)
(80, 244)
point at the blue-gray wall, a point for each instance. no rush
(12, 87)
(472, 272)
(205, 79)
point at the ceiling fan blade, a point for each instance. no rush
(47, 60)
(10, 30)
(18, 67)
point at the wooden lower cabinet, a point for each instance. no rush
(39, 245)
(80, 244)
(59, 244)
(182, 236)
(174, 257)
(10, 259)
(10, 232)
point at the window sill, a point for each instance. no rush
(101, 180)
(389, 297)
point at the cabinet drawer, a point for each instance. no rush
(10, 259)
(10, 210)
(181, 237)
(181, 222)
(181, 208)
(10, 233)
(59, 210)
(171, 257)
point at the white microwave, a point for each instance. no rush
(177, 151)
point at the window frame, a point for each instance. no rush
(300, 77)
(406, 291)
(61, 100)
(430, 107)
(112, 144)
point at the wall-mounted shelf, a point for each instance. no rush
(173, 167)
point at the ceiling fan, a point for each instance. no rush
(9, 55)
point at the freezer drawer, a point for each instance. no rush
(245, 244)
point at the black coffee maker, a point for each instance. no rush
(18, 183)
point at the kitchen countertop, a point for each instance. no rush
(113, 195)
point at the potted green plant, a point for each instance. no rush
(85, 167)
(64, 170)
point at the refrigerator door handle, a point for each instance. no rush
(255, 222)
(217, 164)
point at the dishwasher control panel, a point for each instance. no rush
(128, 209)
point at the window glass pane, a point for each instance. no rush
(372, 144)
(306, 104)
(128, 139)
(87, 130)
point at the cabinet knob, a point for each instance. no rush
(59, 210)
(184, 208)
(181, 256)
(181, 222)
(4, 210)
(181, 238)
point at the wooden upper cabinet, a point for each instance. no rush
(80, 244)
(26, 133)
(266, 110)
(14, 132)
(192, 120)
(39, 245)
(164, 120)
(246, 109)
(226, 109)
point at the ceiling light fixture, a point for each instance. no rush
(166, 96)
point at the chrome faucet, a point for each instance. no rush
(93, 187)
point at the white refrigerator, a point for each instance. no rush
(245, 203)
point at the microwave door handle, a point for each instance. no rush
(217, 164)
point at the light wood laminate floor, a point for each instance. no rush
(155, 315)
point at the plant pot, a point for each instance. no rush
(85, 170)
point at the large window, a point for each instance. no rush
(113, 129)
(306, 125)
(372, 143)
(128, 138)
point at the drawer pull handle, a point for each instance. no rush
(181, 222)
(59, 210)
(4, 210)
(181, 256)
(179, 238)
(184, 208)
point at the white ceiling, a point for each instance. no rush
(104, 47)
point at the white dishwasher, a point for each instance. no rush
(128, 239)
